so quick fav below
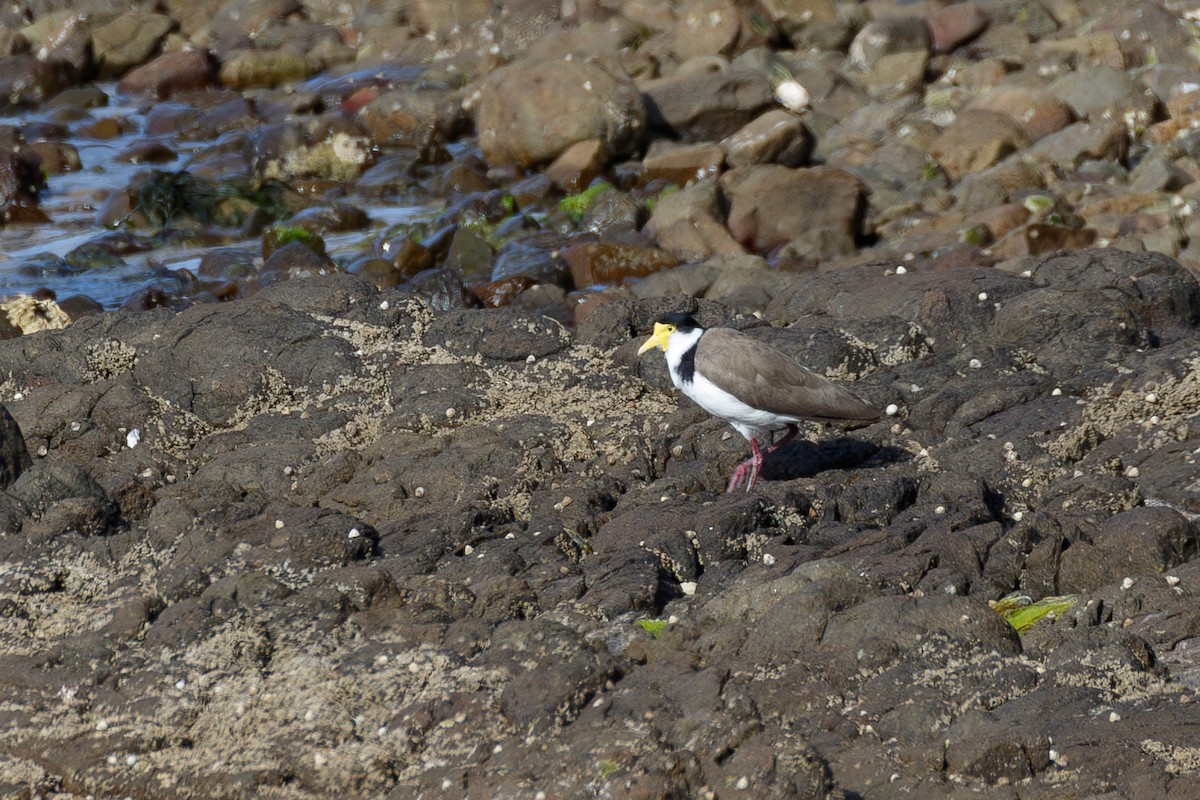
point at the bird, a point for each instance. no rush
(750, 384)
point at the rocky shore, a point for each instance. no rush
(415, 521)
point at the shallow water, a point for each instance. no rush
(72, 201)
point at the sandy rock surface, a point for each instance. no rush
(367, 508)
(360, 548)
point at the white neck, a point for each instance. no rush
(678, 344)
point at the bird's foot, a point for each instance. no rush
(743, 471)
(747, 470)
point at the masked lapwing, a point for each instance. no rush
(754, 387)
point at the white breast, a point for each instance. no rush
(748, 421)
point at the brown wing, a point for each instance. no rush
(766, 378)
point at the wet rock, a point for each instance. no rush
(682, 164)
(127, 41)
(595, 263)
(529, 113)
(412, 117)
(326, 146)
(26, 81)
(169, 74)
(249, 69)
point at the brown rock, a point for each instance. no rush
(884, 37)
(705, 28)
(954, 25)
(1037, 111)
(1105, 140)
(440, 18)
(706, 104)
(820, 208)
(168, 74)
(976, 140)
(127, 41)
(688, 224)
(529, 112)
(577, 166)
(409, 117)
(682, 163)
(599, 263)
(26, 81)
(777, 137)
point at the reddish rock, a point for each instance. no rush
(954, 25)
(168, 74)
(495, 294)
(820, 208)
(600, 263)
(408, 117)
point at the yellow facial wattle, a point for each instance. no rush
(662, 332)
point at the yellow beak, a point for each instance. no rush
(657, 339)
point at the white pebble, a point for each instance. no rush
(1132, 472)
(384, 306)
(1151, 397)
(1114, 717)
(419, 491)
(450, 413)
(1056, 393)
(974, 363)
(768, 559)
(1018, 516)
(743, 783)
(901, 270)
(940, 510)
(354, 533)
(278, 524)
(892, 410)
(181, 684)
(983, 295)
(19, 396)
(1172, 580)
(1127, 583)
(132, 438)
(688, 587)
(468, 550)
(1154, 420)
(102, 725)
(792, 96)
(529, 359)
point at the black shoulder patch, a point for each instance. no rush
(687, 364)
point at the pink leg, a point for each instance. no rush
(751, 465)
